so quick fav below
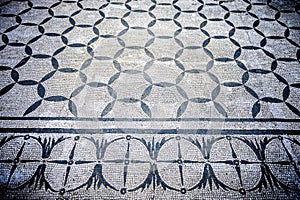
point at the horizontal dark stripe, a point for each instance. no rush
(151, 119)
(151, 131)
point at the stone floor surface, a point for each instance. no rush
(149, 99)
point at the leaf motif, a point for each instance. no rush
(179, 65)
(209, 65)
(82, 77)
(72, 108)
(193, 47)
(213, 77)
(68, 70)
(182, 92)
(232, 84)
(293, 109)
(96, 31)
(14, 75)
(22, 62)
(132, 71)
(77, 91)
(119, 53)
(146, 92)
(269, 54)
(121, 42)
(41, 90)
(96, 84)
(263, 42)
(41, 56)
(102, 58)
(146, 109)
(151, 23)
(54, 63)
(180, 77)
(196, 71)
(296, 85)
(59, 51)
(65, 32)
(260, 71)
(237, 53)
(250, 91)
(76, 45)
(206, 42)
(280, 78)
(179, 53)
(286, 93)
(219, 37)
(148, 53)
(225, 59)
(241, 65)
(47, 76)
(200, 100)
(149, 42)
(111, 92)
(33, 107)
(86, 63)
(6, 89)
(182, 108)
(63, 38)
(164, 84)
(245, 77)
(56, 98)
(148, 65)
(147, 77)
(108, 108)
(124, 23)
(129, 100)
(220, 109)
(3, 68)
(5, 39)
(119, 34)
(271, 100)
(215, 92)
(34, 40)
(251, 47)
(180, 44)
(28, 82)
(255, 109)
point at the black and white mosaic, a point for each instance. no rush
(153, 49)
(204, 95)
(128, 164)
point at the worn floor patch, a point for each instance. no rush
(149, 99)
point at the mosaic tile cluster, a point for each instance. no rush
(149, 99)
(128, 163)
(161, 59)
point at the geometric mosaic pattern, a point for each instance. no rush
(171, 49)
(127, 164)
(149, 99)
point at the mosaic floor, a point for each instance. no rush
(149, 99)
